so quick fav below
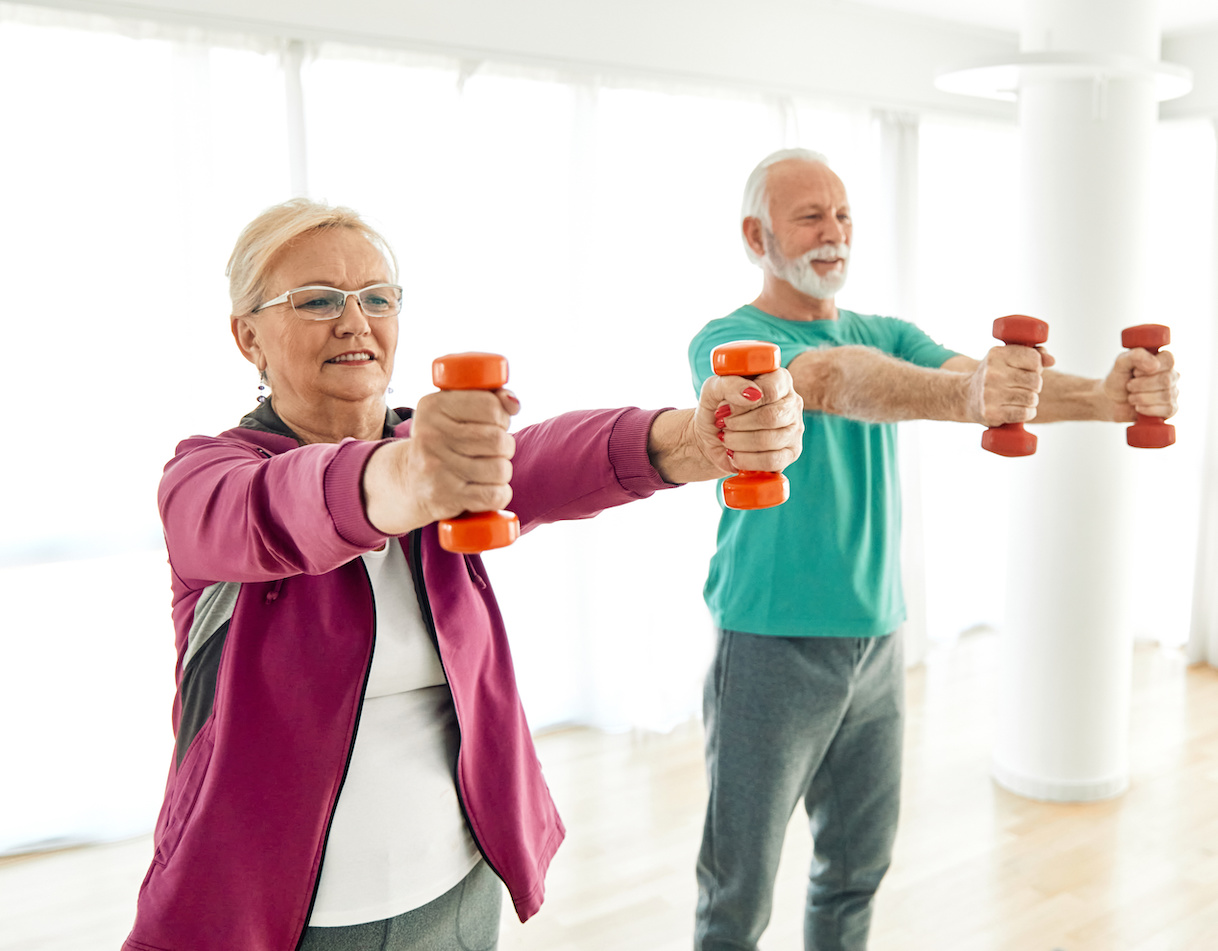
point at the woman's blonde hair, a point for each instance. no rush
(276, 228)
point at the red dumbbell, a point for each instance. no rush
(1148, 432)
(474, 532)
(750, 489)
(1011, 439)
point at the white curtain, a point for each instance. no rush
(584, 227)
(1203, 633)
(129, 163)
(966, 203)
(899, 154)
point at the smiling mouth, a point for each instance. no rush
(353, 358)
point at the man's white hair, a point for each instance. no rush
(756, 202)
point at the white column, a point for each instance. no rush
(1086, 146)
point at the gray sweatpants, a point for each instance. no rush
(465, 918)
(790, 718)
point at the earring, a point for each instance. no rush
(263, 389)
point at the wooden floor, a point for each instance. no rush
(976, 869)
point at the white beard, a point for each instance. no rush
(799, 274)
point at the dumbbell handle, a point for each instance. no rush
(750, 489)
(474, 532)
(1011, 439)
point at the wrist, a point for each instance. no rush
(1108, 406)
(967, 400)
(674, 448)
(386, 505)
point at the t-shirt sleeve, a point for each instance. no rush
(914, 345)
(742, 326)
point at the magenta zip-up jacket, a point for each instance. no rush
(275, 626)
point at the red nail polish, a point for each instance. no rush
(720, 435)
(752, 393)
(730, 454)
(723, 411)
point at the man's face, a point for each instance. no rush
(808, 243)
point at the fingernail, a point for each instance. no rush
(730, 454)
(720, 435)
(752, 393)
(723, 411)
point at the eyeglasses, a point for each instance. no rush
(318, 302)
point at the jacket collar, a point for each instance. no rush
(264, 419)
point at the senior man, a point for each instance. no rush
(804, 698)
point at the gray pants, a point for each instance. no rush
(465, 918)
(790, 718)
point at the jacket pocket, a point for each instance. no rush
(185, 792)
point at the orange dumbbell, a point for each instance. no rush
(1148, 432)
(474, 532)
(1011, 439)
(750, 489)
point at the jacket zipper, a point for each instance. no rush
(347, 765)
(420, 589)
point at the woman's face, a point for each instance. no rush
(311, 363)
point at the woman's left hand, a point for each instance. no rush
(740, 423)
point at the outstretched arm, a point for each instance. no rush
(1139, 382)
(865, 384)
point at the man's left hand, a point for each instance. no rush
(1142, 382)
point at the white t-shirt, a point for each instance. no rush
(398, 839)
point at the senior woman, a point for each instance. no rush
(352, 766)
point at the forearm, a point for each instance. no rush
(580, 463)
(1066, 397)
(231, 514)
(864, 384)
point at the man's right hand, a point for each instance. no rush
(1005, 386)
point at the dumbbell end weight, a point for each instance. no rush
(1009, 439)
(756, 490)
(469, 371)
(477, 532)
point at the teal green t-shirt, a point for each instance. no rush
(826, 562)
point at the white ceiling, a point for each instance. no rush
(763, 45)
(1177, 16)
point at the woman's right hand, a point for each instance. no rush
(457, 459)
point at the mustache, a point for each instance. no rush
(829, 252)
